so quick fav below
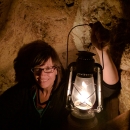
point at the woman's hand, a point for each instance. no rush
(100, 36)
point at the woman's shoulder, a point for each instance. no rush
(14, 91)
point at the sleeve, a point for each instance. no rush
(110, 90)
(10, 105)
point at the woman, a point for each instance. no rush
(35, 101)
(38, 99)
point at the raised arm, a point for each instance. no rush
(110, 73)
(100, 39)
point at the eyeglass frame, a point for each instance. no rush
(44, 69)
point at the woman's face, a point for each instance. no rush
(45, 74)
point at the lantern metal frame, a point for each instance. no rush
(83, 118)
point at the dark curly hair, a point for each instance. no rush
(33, 54)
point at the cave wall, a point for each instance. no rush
(23, 21)
(29, 20)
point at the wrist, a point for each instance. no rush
(105, 50)
(105, 53)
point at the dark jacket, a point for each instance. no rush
(17, 110)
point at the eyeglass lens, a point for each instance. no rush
(46, 70)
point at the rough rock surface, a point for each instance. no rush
(29, 20)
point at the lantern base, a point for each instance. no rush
(86, 122)
(83, 114)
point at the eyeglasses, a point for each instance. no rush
(46, 70)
